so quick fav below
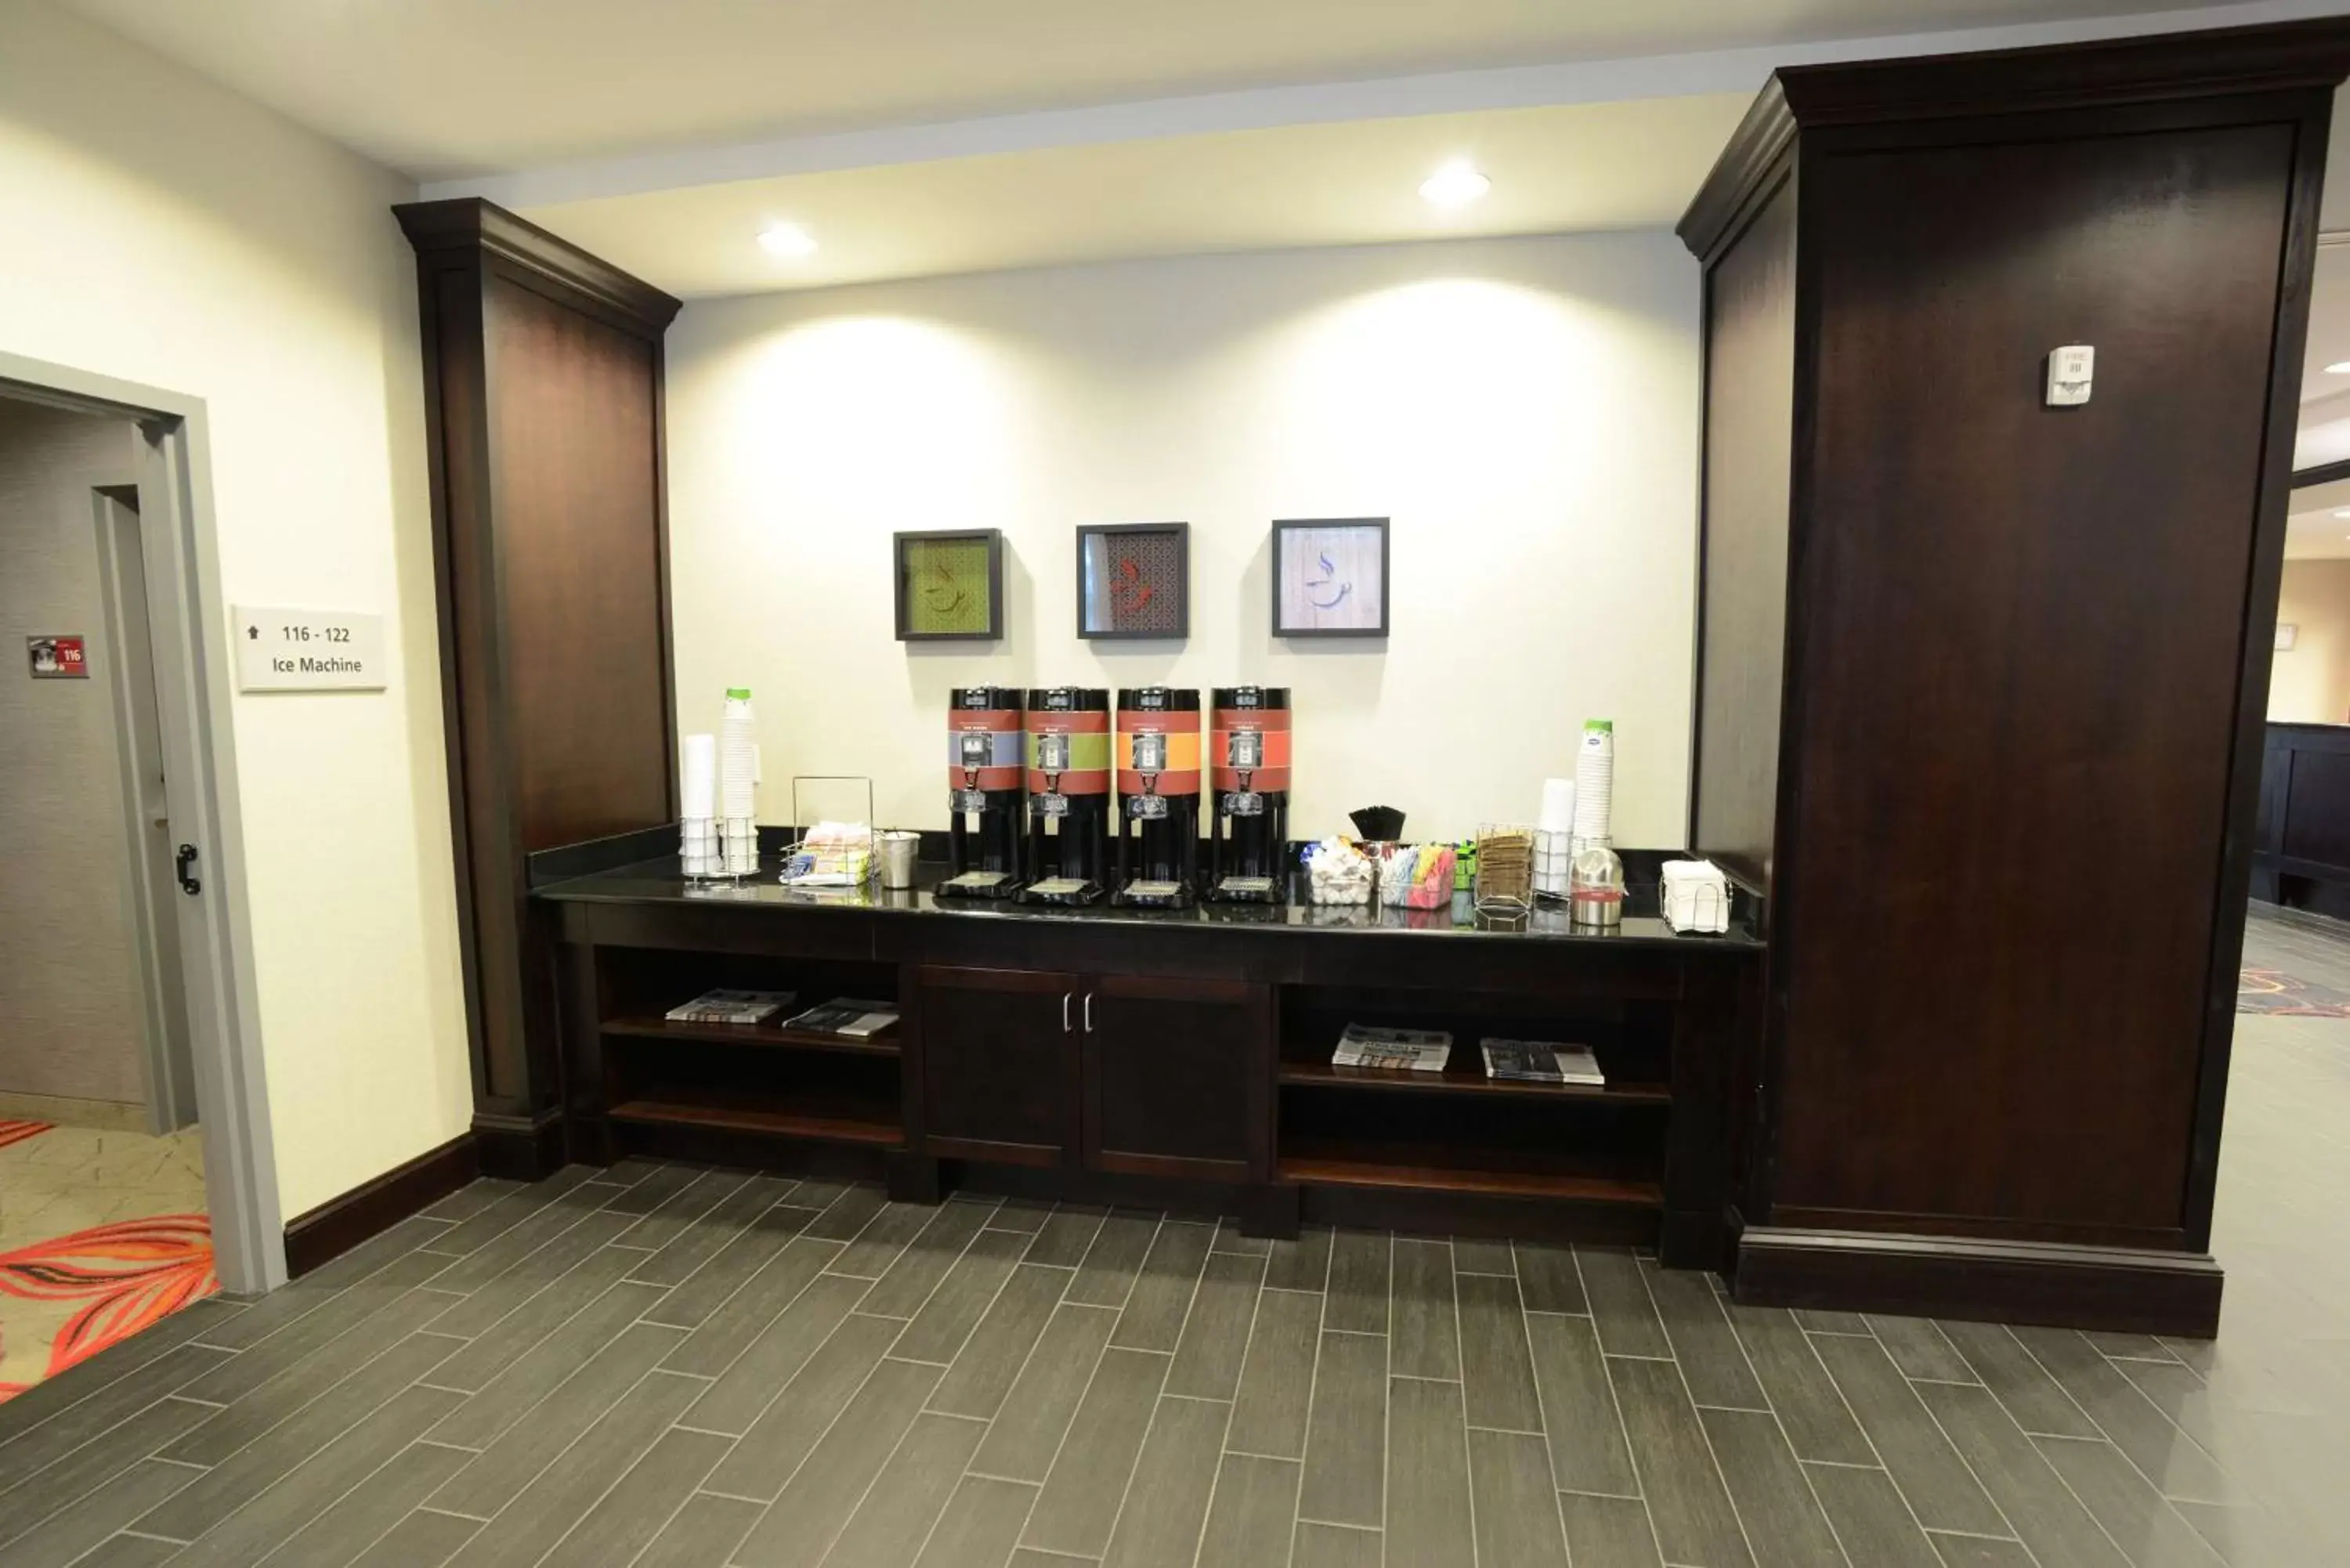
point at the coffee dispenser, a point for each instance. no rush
(1158, 797)
(1248, 823)
(1068, 796)
(983, 793)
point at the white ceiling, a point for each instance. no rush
(918, 137)
(460, 89)
(1576, 167)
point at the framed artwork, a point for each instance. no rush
(1134, 579)
(1330, 576)
(950, 584)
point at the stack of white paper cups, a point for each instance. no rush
(698, 835)
(1594, 782)
(738, 830)
(1554, 837)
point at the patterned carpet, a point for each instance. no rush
(101, 1234)
(2273, 990)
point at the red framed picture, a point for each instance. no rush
(1134, 580)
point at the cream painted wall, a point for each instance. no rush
(157, 228)
(1525, 411)
(2309, 683)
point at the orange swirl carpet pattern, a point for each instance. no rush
(2273, 990)
(17, 1132)
(66, 1295)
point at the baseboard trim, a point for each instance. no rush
(2119, 1289)
(337, 1225)
(523, 1148)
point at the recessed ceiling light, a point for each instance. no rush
(1456, 185)
(787, 240)
(2339, 367)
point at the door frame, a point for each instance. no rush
(167, 1070)
(179, 534)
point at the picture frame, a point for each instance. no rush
(1134, 581)
(947, 585)
(1330, 576)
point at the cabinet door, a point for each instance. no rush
(996, 1056)
(1177, 1077)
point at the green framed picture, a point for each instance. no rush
(949, 586)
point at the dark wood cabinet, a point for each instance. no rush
(1982, 679)
(1131, 1073)
(1100, 1057)
(997, 1058)
(1176, 1076)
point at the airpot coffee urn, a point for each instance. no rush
(1068, 796)
(1158, 797)
(983, 793)
(1248, 825)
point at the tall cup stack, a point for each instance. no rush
(738, 776)
(1554, 837)
(1594, 783)
(698, 837)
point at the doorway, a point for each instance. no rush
(132, 1104)
(93, 1012)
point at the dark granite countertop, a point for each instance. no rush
(659, 881)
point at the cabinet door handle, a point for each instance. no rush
(1089, 1013)
(1065, 1011)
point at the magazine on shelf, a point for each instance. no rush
(1541, 1062)
(725, 1006)
(846, 1016)
(1415, 1050)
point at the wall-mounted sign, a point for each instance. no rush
(57, 658)
(308, 650)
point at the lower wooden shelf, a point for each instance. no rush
(1431, 1169)
(767, 1034)
(1462, 1078)
(821, 1118)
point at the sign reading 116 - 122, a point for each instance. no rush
(282, 649)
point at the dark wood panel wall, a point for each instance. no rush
(2302, 849)
(543, 403)
(1750, 352)
(2037, 650)
(577, 434)
(2025, 648)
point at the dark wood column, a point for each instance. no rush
(1982, 681)
(542, 406)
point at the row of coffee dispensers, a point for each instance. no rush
(1035, 778)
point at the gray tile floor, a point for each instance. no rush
(660, 1366)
